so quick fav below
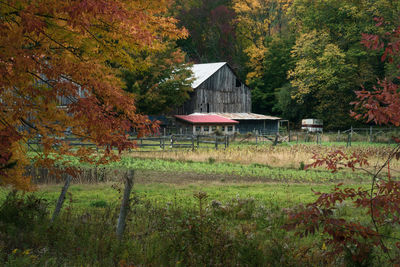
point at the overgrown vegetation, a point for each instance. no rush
(236, 225)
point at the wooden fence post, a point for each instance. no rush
(289, 136)
(61, 198)
(348, 140)
(276, 139)
(192, 142)
(226, 142)
(370, 134)
(198, 141)
(216, 142)
(125, 204)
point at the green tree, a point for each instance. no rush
(331, 62)
(275, 64)
(162, 83)
(323, 79)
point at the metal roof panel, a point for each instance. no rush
(205, 119)
(245, 116)
(202, 72)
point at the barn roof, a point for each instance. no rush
(205, 119)
(202, 72)
(245, 116)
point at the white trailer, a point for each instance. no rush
(312, 125)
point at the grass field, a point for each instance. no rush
(188, 208)
(170, 224)
(282, 156)
(282, 194)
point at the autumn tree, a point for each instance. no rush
(262, 30)
(63, 52)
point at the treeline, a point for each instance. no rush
(302, 58)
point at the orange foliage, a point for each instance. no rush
(63, 50)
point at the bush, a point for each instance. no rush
(23, 212)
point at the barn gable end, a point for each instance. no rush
(222, 91)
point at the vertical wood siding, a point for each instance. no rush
(219, 93)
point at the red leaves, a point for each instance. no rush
(31, 23)
(382, 105)
(338, 158)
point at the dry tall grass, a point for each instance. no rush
(275, 156)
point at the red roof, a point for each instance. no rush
(205, 119)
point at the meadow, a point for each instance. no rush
(194, 224)
(188, 208)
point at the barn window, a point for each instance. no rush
(206, 128)
(230, 128)
(213, 128)
(223, 128)
(238, 83)
(198, 128)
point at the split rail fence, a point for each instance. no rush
(154, 143)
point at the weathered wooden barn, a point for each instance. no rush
(217, 90)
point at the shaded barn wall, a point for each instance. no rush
(222, 92)
(269, 126)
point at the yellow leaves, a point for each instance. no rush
(258, 20)
(256, 54)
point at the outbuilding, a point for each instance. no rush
(217, 90)
(206, 123)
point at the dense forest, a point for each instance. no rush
(302, 58)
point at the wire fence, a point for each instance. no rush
(189, 141)
(349, 136)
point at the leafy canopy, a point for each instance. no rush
(60, 52)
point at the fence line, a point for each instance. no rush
(190, 141)
(163, 142)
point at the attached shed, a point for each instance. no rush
(248, 122)
(206, 124)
